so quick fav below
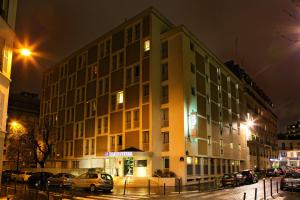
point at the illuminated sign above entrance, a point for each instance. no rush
(119, 154)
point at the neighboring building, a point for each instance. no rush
(7, 24)
(289, 147)
(24, 108)
(263, 147)
(149, 95)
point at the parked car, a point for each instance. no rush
(7, 175)
(249, 176)
(61, 180)
(281, 171)
(39, 179)
(233, 179)
(290, 181)
(93, 181)
(23, 176)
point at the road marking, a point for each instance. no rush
(184, 192)
(119, 197)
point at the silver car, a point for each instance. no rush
(290, 181)
(61, 180)
(93, 181)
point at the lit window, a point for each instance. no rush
(231, 145)
(147, 45)
(209, 139)
(189, 160)
(120, 97)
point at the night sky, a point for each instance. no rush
(261, 35)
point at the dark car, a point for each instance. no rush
(233, 179)
(61, 180)
(290, 181)
(249, 176)
(7, 175)
(39, 179)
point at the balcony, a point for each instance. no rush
(164, 100)
(119, 147)
(136, 124)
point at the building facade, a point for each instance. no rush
(7, 35)
(149, 95)
(289, 146)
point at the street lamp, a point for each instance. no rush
(25, 52)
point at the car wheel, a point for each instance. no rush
(92, 188)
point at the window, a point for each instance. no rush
(120, 97)
(113, 102)
(137, 31)
(164, 50)
(92, 146)
(128, 76)
(192, 47)
(146, 45)
(87, 148)
(66, 149)
(90, 108)
(164, 72)
(209, 140)
(128, 119)
(121, 59)
(136, 118)
(165, 117)
(145, 137)
(114, 62)
(79, 129)
(166, 163)
(145, 92)
(193, 68)
(221, 146)
(231, 145)
(193, 91)
(165, 137)
(136, 73)
(1, 108)
(105, 124)
(107, 47)
(165, 94)
(119, 140)
(129, 35)
(71, 148)
(99, 125)
(112, 143)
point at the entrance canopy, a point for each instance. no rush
(128, 152)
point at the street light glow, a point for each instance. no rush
(25, 52)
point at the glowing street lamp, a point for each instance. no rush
(25, 52)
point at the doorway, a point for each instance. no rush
(128, 166)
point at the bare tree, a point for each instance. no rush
(41, 142)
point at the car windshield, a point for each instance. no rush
(69, 176)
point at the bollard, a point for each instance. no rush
(48, 192)
(149, 187)
(179, 184)
(164, 188)
(124, 187)
(277, 186)
(15, 186)
(264, 181)
(255, 194)
(199, 186)
(244, 198)
(271, 186)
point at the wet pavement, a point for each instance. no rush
(207, 191)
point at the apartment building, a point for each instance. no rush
(149, 95)
(7, 24)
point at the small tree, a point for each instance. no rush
(41, 143)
